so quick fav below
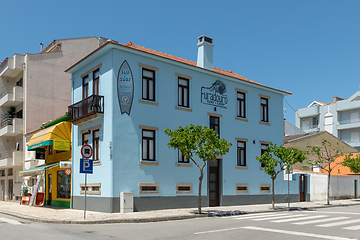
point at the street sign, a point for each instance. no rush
(86, 151)
(86, 166)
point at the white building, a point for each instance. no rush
(340, 118)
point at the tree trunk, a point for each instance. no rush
(199, 198)
(273, 193)
(328, 189)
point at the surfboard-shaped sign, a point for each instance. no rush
(125, 87)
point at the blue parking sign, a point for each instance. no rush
(86, 166)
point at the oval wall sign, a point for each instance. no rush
(125, 88)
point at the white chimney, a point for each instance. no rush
(205, 52)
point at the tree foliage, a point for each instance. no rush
(352, 162)
(326, 154)
(277, 159)
(198, 141)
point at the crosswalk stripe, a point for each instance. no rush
(320, 220)
(297, 219)
(10, 221)
(272, 218)
(339, 223)
(250, 216)
(357, 227)
(351, 213)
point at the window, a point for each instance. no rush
(91, 188)
(241, 105)
(181, 158)
(19, 83)
(96, 76)
(85, 138)
(241, 153)
(242, 188)
(10, 172)
(183, 92)
(96, 138)
(19, 114)
(183, 187)
(39, 155)
(148, 84)
(215, 124)
(263, 150)
(2, 173)
(63, 185)
(148, 145)
(85, 86)
(148, 188)
(264, 108)
(265, 188)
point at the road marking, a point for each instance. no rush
(220, 230)
(255, 215)
(272, 218)
(10, 221)
(339, 223)
(353, 228)
(250, 217)
(297, 233)
(320, 220)
(351, 213)
(298, 219)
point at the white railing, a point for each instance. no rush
(341, 122)
(306, 127)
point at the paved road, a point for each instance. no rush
(340, 223)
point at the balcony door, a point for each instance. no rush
(2, 190)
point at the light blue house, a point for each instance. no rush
(125, 96)
(340, 118)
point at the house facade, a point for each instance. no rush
(33, 90)
(340, 118)
(123, 98)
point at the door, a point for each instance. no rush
(50, 189)
(11, 189)
(355, 188)
(214, 192)
(302, 188)
(2, 190)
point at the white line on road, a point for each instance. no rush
(298, 233)
(320, 220)
(351, 213)
(250, 217)
(353, 228)
(339, 223)
(10, 221)
(281, 217)
(220, 230)
(298, 219)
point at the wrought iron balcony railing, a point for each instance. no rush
(87, 107)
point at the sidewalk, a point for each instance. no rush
(72, 216)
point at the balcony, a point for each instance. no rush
(12, 66)
(354, 142)
(10, 126)
(11, 96)
(11, 158)
(90, 108)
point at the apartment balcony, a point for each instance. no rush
(11, 158)
(11, 126)
(11, 96)
(89, 109)
(308, 112)
(353, 142)
(12, 66)
(349, 123)
(310, 128)
(33, 163)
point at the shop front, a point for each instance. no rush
(55, 141)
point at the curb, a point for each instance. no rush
(165, 218)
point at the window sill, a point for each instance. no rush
(149, 163)
(183, 109)
(148, 192)
(241, 119)
(183, 192)
(149, 102)
(96, 163)
(245, 191)
(241, 168)
(183, 165)
(91, 192)
(261, 169)
(264, 123)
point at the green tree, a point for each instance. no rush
(198, 141)
(277, 159)
(352, 162)
(326, 154)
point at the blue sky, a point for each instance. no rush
(309, 47)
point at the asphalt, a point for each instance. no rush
(48, 214)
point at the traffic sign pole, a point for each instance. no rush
(85, 197)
